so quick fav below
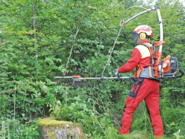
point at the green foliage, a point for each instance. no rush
(43, 38)
(14, 129)
(85, 109)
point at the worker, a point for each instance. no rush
(144, 88)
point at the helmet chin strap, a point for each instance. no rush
(144, 40)
(139, 41)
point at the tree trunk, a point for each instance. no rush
(51, 128)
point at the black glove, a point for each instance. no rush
(116, 72)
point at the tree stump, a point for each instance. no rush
(52, 128)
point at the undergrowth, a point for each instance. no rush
(41, 39)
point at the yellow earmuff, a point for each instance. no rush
(142, 36)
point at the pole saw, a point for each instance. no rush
(79, 78)
(162, 69)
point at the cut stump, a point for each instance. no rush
(52, 128)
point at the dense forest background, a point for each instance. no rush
(41, 39)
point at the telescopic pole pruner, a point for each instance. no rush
(79, 78)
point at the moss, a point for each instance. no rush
(52, 121)
(77, 124)
(51, 135)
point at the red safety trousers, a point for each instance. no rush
(148, 90)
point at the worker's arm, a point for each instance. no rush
(132, 62)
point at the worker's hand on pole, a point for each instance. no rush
(116, 72)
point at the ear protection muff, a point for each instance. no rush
(142, 36)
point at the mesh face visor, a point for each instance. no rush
(135, 37)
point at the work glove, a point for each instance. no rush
(116, 72)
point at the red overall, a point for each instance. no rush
(143, 89)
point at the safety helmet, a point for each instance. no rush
(143, 32)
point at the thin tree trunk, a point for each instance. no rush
(30, 112)
(35, 36)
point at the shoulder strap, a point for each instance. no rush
(151, 53)
(149, 48)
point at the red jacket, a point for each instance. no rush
(140, 54)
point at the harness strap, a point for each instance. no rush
(150, 72)
(138, 72)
